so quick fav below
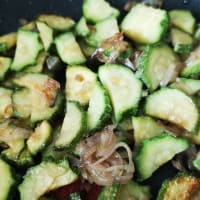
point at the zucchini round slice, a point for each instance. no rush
(174, 106)
(123, 87)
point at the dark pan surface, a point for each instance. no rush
(11, 11)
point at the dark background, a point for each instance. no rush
(13, 10)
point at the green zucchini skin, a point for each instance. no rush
(108, 192)
(155, 152)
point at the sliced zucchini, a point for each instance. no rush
(40, 83)
(98, 10)
(175, 106)
(46, 34)
(21, 159)
(21, 102)
(27, 50)
(108, 192)
(156, 63)
(73, 127)
(46, 176)
(29, 26)
(183, 19)
(39, 138)
(80, 83)
(192, 64)
(7, 41)
(105, 29)
(56, 22)
(5, 63)
(6, 110)
(182, 42)
(32, 105)
(183, 187)
(189, 86)
(154, 28)
(125, 124)
(7, 180)
(13, 135)
(68, 49)
(196, 162)
(38, 67)
(157, 151)
(123, 88)
(82, 28)
(99, 110)
(133, 190)
(144, 127)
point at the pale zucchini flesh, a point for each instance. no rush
(46, 34)
(46, 176)
(27, 50)
(183, 19)
(82, 28)
(155, 62)
(38, 140)
(80, 83)
(98, 10)
(182, 42)
(99, 110)
(144, 24)
(144, 127)
(7, 180)
(157, 151)
(192, 64)
(73, 126)
(189, 86)
(5, 63)
(8, 41)
(68, 49)
(175, 106)
(123, 88)
(5, 103)
(57, 22)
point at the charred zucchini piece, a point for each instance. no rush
(182, 42)
(39, 138)
(7, 41)
(155, 63)
(123, 88)
(40, 83)
(192, 64)
(80, 83)
(157, 151)
(6, 110)
(68, 49)
(73, 127)
(133, 190)
(183, 187)
(144, 127)
(108, 192)
(57, 22)
(27, 50)
(99, 110)
(98, 10)
(175, 106)
(189, 86)
(46, 176)
(46, 34)
(7, 180)
(5, 63)
(183, 19)
(154, 28)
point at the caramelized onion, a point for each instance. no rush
(101, 163)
